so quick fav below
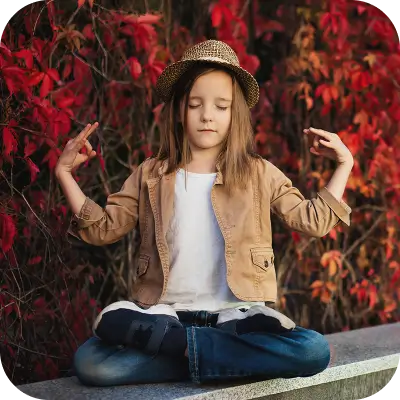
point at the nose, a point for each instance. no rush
(206, 115)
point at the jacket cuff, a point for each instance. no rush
(340, 208)
(83, 219)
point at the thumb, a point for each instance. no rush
(81, 158)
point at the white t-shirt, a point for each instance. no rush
(197, 278)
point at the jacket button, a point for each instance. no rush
(266, 264)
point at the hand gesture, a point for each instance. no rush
(328, 145)
(71, 158)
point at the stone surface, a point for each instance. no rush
(363, 362)
(364, 344)
(355, 388)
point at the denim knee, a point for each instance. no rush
(88, 371)
(315, 353)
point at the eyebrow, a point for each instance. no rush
(200, 98)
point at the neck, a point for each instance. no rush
(202, 162)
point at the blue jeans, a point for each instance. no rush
(213, 355)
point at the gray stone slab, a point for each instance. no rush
(364, 344)
(356, 353)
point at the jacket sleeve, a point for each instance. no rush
(315, 217)
(100, 226)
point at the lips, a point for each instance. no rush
(206, 130)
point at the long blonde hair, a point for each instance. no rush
(238, 149)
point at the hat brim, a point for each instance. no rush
(172, 73)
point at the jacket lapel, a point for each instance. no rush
(162, 194)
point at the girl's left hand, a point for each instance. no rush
(328, 145)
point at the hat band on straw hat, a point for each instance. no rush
(211, 59)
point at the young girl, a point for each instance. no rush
(206, 264)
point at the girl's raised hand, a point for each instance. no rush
(71, 157)
(328, 145)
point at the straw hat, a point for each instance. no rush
(213, 51)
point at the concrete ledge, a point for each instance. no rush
(364, 361)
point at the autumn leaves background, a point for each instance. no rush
(63, 64)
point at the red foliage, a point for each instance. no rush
(335, 67)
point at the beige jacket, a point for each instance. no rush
(145, 203)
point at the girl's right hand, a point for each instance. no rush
(71, 158)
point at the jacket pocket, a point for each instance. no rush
(262, 257)
(143, 264)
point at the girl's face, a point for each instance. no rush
(209, 112)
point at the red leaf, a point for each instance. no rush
(30, 148)
(27, 56)
(274, 26)
(295, 237)
(46, 87)
(66, 102)
(35, 78)
(35, 260)
(216, 16)
(9, 142)
(51, 157)
(395, 278)
(100, 158)
(67, 70)
(390, 307)
(8, 231)
(135, 67)
(251, 63)
(33, 168)
(11, 85)
(39, 303)
(53, 73)
(333, 234)
(5, 50)
(373, 297)
(361, 9)
(88, 32)
(148, 19)
(317, 284)
(37, 48)
(81, 3)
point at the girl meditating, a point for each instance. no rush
(205, 266)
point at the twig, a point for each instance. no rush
(29, 206)
(101, 73)
(36, 352)
(37, 19)
(364, 236)
(244, 8)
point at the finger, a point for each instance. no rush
(91, 130)
(88, 147)
(80, 141)
(324, 134)
(82, 133)
(327, 143)
(80, 159)
(313, 151)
